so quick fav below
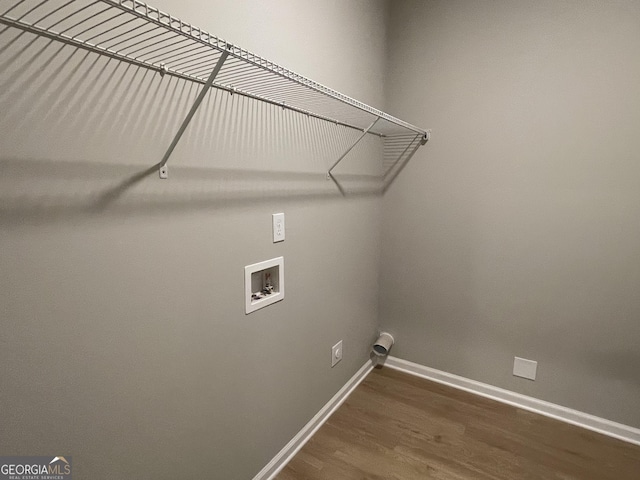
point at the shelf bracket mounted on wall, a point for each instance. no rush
(364, 134)
(164, 173)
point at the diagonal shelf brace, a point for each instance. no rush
(163, 164)
(364, 134)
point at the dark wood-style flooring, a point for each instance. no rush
(397, 426)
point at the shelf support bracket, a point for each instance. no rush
(163, 164)
(364, 134)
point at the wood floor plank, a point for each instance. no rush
(400, 427)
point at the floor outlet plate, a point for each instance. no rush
(525, 368)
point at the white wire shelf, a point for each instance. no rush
(134, 32)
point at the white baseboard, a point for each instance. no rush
(548, 409)
(290, 449)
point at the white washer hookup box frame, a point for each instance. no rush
(263, 284)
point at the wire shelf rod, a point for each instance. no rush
(195, 59)
(232, 72)
(137, 38)
(316, 86)
(102, 22)
(72, 14)
(137, 35)
(201, 68)
(264, 85)
(77, 24)
(238, 69)
(252, 58)
(78, 43)
(99, 34)
(162, 50)
(179, 55)
(133, 61)
(269, 66)
(141, 45)
(162, 54)
(188, 52)
(115, 28)
(293, 108)
(165, 20)
(34, 8)
(55, 10)
(266, 88)
(6, 12)
(198, 70)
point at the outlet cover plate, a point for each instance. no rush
(336, 353)
(525, 368)
(278, 227)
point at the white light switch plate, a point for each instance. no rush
(336, 353)
(278, 227)
(525, 368)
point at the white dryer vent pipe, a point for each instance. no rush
(383, 344)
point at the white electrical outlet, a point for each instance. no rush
(336, 353)
(525, 368)
(278, 227)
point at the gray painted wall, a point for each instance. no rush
(517, 230)
(124, 340)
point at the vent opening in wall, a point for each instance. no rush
(383, 344)
(263, 284)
